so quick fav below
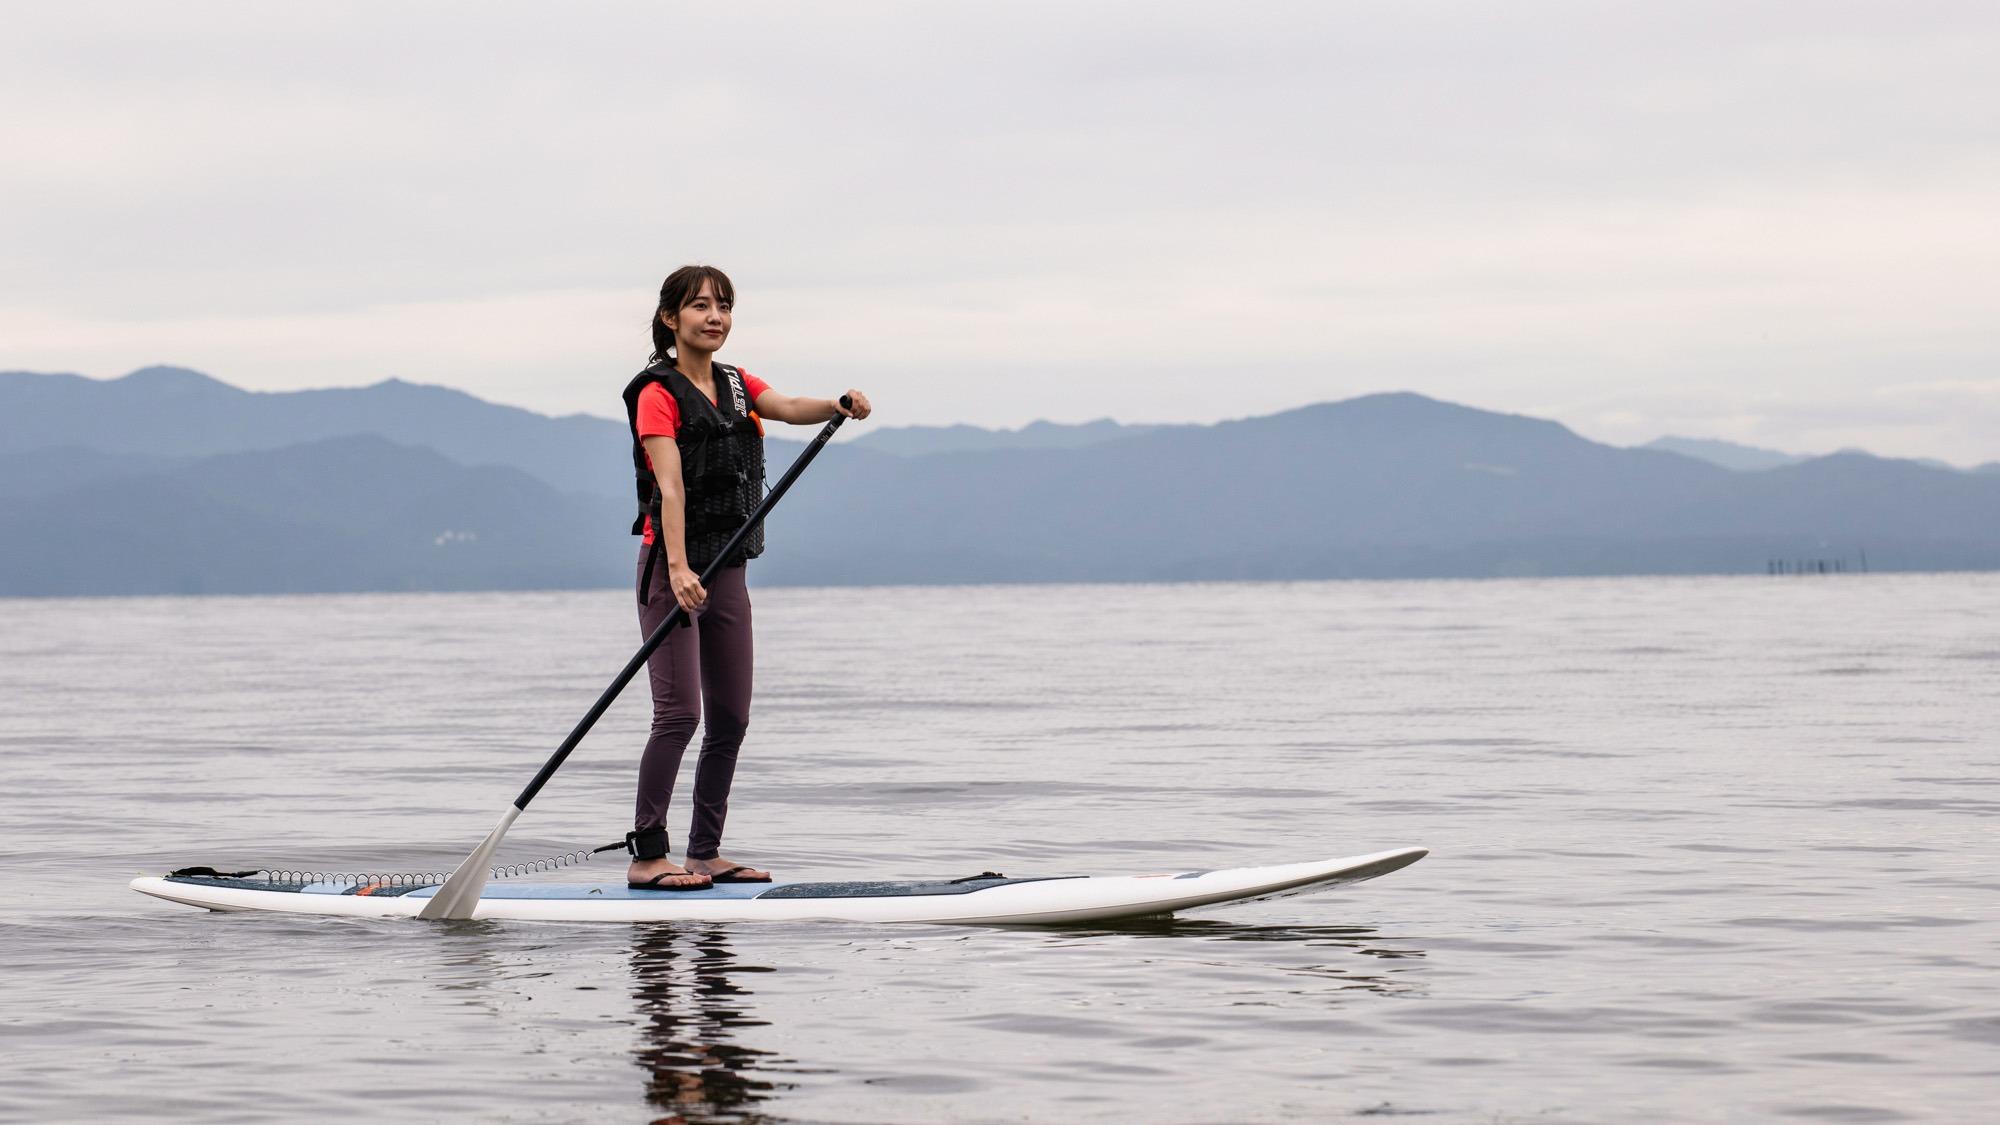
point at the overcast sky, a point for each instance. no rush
(1767, 222)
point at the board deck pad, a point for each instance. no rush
(983, 899)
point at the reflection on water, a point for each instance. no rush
(1356, 940)
(468, 969)
(1172, 925)
(692, 1004)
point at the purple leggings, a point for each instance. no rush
(703, 666)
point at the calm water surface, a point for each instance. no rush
(1703, 850)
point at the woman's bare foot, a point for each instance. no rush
(720, 865)
(644, 871)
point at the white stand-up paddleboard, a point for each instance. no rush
(979, 900)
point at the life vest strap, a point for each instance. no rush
(653, 552)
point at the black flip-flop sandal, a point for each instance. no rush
(654, 883)
(728, 876)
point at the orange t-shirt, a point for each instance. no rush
(660, 416)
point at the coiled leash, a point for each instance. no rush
(293, 877)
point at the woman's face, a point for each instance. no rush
(703, 323)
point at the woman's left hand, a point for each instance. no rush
(860, 409)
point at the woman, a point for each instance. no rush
(698, 454)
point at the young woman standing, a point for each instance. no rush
(698, 455)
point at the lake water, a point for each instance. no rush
(1703, 850)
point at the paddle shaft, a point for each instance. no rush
(458, 896)
(679, 614)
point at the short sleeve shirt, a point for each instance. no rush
(660, 416)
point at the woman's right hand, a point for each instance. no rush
(686, 585)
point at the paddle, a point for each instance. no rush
(460, 893)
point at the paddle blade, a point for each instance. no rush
(460, 893)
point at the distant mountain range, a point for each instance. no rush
(1750, 458)
(915, 441)
(174, 412)
(169, 481)
(1728, 454)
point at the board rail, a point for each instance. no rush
(1048, 900)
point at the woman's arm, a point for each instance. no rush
(670, 530)
(808, 411)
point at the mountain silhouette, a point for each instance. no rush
(172, 411)
(1728, 454)
(168, 481)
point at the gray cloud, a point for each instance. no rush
(1716, 217)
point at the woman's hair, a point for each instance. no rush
(676, 291)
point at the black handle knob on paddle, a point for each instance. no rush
(846, 403)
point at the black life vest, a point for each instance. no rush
(722, 465)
